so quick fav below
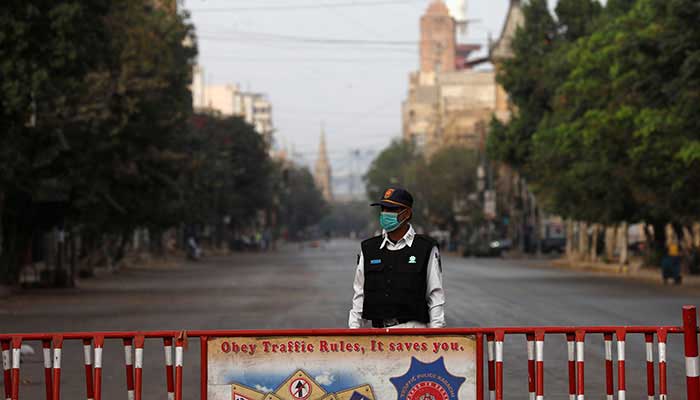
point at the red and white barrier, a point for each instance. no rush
(129, 367)
(539, 360)
(491, 366)
(663, 390)
(692, 365)
(99, 344)
(169, 379)
(580, 388)
(89, 380)
(571, 355)
(649, 347)
(179, 361)
(531, 378)
(621, 387)
(57, 350)
(609, 385)
(7, 367)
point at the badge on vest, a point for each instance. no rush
(412, 259)
(375, 262)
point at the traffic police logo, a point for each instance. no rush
(412, 260)
(427, 382)
(388, 193)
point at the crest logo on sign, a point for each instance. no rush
(427, 381)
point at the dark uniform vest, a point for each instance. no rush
(396, 281)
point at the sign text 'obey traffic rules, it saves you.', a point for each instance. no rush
(342, 368)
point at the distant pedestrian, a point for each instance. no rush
(671, 264)
(398, 280)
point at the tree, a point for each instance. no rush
(301, 201)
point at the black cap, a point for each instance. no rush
(395, 198)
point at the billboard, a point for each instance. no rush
(403, 367)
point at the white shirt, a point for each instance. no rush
(434, 294)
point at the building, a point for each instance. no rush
(322, 172)
(229, 101)
(448, 101)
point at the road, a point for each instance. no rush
(311, 288)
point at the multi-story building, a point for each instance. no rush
(447, 100)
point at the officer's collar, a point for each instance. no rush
(407, 238)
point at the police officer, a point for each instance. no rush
(398, 281)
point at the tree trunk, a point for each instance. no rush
(624, 243)
(570, 239)
(610, 242)
(659, 243)
(583, 240)
(17, 228)
(594, 243)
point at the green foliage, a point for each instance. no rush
(615, 134)
(301, 204)
(437, 184)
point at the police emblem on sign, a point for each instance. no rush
(427, 382)
(300, 388)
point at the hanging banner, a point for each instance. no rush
(342, 368)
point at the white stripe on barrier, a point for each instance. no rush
(532, 395)
(130, 395)
(15, 358)
(650, 397)
(570, 348)
(650, 352)
(98, 357)
(178, 356)
(139, 358)
(621, 352)
(608, 397)
(662, 352)
(540, 397)
(530, 350)
(6, 359)
(87, 350)
(621, 394)
(539, 354)
(579, 351)
(608, 350)
(489, 347)
(171, 396)
(168, 355)
(580, 397)
(692, 367)
(572, 397)
(57, 358)
(663, 397)
(128, 355)
(499, 351)
(47, 358)
(492, 395)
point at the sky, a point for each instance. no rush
(332, 72)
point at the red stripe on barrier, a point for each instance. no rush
(16, 349)
(621, 335)
(492, 367)
(129, 367)
(580, 387)
(99, 344)
(169, 373)
(531, 365)
(203, 373)
(7, 367)
(609, 380)
(138, 366)
(89, 380)
(48, 380)
(179, 343)
(571, 356)
(663, 390)
(692, 366)
(649, 344)
(539, 359)
(479, 366)
(57, 349)
(499, 364)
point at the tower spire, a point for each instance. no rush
(322, 174)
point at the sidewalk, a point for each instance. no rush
(633, 271)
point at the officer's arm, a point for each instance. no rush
(355, 318)
(435, 294)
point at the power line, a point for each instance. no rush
(302, 6)
(309, 40)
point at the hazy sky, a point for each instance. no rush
(355, 88)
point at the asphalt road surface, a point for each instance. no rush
(312, 288)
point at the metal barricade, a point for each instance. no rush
(494, 338)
